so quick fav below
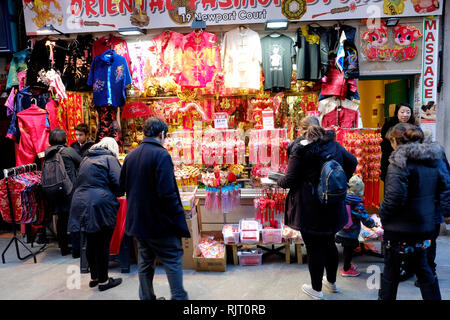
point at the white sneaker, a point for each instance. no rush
(331, 287)
(317, 295)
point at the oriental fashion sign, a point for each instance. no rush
(75, 16)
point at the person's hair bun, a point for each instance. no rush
(414, 134)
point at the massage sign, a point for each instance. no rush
(75, 16)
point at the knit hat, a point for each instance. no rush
(356, 186)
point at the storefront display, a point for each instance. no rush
(233, 100)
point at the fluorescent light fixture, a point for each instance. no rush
(392, 22)
(133, 31)
(48, 29)
(277, 24)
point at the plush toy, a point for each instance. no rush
(376, 37)
(425, 6)
(406, 48)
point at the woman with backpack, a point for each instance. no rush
(415, 185)
(318, 222)
(95, 205)
(59, 200)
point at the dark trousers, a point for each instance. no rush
(61, 230)
(170, 252)
(431, 252)
(322, 254)
(418, 263)
(98, 253)
(348, 254)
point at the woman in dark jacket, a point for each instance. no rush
(403, 114)
(413, 184)
(318, 223)
(95, 205)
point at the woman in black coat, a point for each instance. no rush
(403, 114)
(415, 185)
(318, 223)
(95, 205)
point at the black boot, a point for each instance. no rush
(430, 291)
(388, 291)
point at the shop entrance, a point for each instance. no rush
(379, 95)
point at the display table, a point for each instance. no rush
(284, 245)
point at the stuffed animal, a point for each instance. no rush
(406, 48)
(376, 37)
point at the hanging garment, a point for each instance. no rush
(141, 62)
(242, 56)
(77, 64)
(167, 48)
(109, 76)
(341, 117)
(119, 230)
(40, 59)
(312, 56)
(108, 126)
(334, 84)
(277, 54)
(26, 196)
(119, 45)
(22, 79)
(9, 104)
(34, 129)
(201, 60)
(18, 64)
(23, 101)
(70, 114)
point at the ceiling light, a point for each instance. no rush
(392, 22)
(277, 24)
(133, 31)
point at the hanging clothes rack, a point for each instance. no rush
(15, 238)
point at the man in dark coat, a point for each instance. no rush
(83, 143)
(318, 223)
(155, 215)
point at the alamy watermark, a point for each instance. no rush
(74, 279)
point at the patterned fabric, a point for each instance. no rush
(143, 64)
(108, 126)
(73, 108)
(77, 64)
(201, 60)
(34, 129)
(26, 197)
(18, 64)
(168, 49)
(22, 79)
(109, 76)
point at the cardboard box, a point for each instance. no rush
(209, 264)
(189, 243)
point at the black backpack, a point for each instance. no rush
(55, 181)
(332, 187)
